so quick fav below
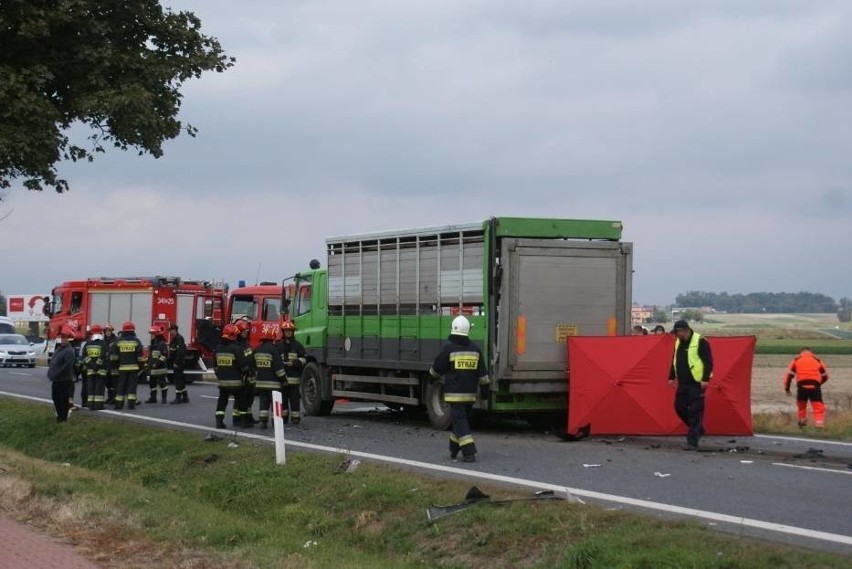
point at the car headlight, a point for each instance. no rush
(3, 354)
(31, 353)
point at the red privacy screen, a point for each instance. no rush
(618, 385)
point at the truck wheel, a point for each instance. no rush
(437, 410)
(312, 392)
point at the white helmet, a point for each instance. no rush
(461, 326)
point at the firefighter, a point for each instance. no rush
(177, 361)
(247, 394)
(270, 372)
(94, 364)
(80, 373)
(691, 371)
(810, 374)
(462, 366)
(232, 365)
(128, 359)
(111, 374)
(158, 368)
(295, 357)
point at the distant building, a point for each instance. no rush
(640, 314)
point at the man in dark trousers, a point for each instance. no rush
(177, 361)
(295, 357)
(128, 359)
(270, 372)
(232, 367)
(692, 368)
(111, 374)
(61, 375)
(158, 368)
(463, 368)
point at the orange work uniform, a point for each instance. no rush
(810, 374)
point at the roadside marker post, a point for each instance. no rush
(278, 423)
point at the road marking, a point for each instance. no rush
(804, 440)
(591, 494)
(812, 468)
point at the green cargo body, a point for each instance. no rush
(374, 319)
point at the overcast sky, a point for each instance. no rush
(719, 133)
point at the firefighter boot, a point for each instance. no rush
(164, 395)
(153, 397)
(220, 422)
(185, 396)
(177, 399)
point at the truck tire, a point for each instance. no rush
(312, 392)
(436, 409)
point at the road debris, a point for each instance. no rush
(662, 474)
(746, 462)
(592, 465)
(811, 453)
(475, 497)
(347, 466)
(232, 444)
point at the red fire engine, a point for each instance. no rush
(198, 308)
(260, 305)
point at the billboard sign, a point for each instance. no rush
(26, 307)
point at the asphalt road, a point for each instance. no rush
(768, 492)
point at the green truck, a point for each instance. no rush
(373, 319)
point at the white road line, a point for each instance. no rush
(625, 500)
(836, 471)
(804, 440)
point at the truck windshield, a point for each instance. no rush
(243, 307)
(57, 303)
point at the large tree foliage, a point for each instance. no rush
(773, 302)
(115, 66)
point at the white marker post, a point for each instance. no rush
(278, 423)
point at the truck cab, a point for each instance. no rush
(260, 305)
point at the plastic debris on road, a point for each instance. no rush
(746, 462)
(592, 465)
(662, 474)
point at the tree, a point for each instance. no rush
(114, 66)
(844, 314)
(659, 315)
(2, 304)
(692, 315)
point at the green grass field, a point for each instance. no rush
(145, 497)
(783, 333)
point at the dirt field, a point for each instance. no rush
(767, 391)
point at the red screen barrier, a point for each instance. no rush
(618, 385)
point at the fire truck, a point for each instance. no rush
(260, 305)
(198, 308)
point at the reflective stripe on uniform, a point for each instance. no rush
(464, 360)
(465, 440)
(267, 385)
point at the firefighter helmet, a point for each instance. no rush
(156, 330)
(288, 325)
(96, 329)
(128, 327)
(109, 327)
(242, 325)
(230, 332)
(460, 326)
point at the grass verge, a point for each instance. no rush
(838, 421)
(792, 346)
(136, 496)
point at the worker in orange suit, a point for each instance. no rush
(810, 374)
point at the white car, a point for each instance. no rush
(16, 350)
